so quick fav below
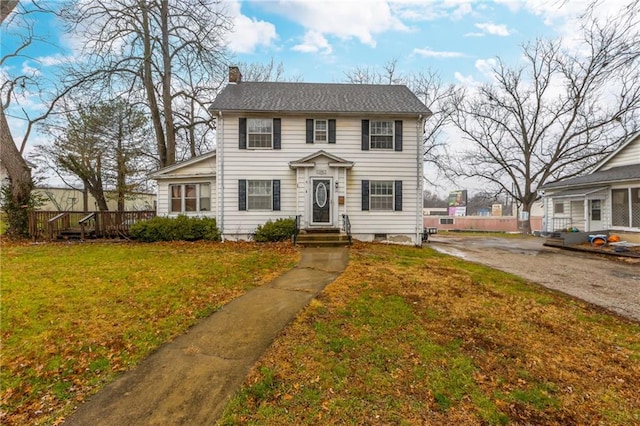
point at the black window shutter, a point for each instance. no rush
(398, 196)
(365, 195)
(309, 130)
(365, 136)
(276, 195)
(398, 131)
(242, 194)
(276, 133)
(242, 133)
(332, 131)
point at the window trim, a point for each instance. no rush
(183, 198)
(270, 186)
(326, 130)
(372, 183)
(249, 133)
(371, 134)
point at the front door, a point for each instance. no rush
(321, 201)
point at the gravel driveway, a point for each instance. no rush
(610, 282)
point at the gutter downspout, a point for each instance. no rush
(220, 175)
(419, 179)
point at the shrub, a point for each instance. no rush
(181, 228)
(280, 230)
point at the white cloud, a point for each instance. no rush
(30, 71)
(465, 80)
(421, 10)
(345, 20)
(57, 59)
(248, 33)
(429, 53)
(313, 42)
(494, 29)
(485, 66)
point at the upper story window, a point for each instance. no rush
(190, 197)
(259, 133)
(320, 131)
(382, 135)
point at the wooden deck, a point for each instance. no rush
(54, 225)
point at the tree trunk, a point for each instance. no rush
(166, 86)
(121, 172)
(20, 181)
(147, 77)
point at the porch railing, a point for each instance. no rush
(346, 223)
(296, 229)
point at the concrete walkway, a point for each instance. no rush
(189, 380)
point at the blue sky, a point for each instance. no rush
(322, 40)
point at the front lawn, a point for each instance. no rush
(410, 336)
(76, 315)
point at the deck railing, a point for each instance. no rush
(51, 224)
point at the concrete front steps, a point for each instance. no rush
(329, 237)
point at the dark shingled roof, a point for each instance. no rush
(319, 97)
(615, 174)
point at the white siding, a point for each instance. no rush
(629, 155)
(204, 167)
(369, 165)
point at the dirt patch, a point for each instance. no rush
(608, 281)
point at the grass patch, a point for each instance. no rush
(410, 336)
(76, 315)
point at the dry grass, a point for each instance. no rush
(76, 315)
(409, 336)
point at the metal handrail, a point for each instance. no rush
(296, 229)
(347, 226)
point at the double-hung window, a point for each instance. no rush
(190, 197)
(259, 133)
(259, 195)
(320, 131)
(382, 195)
(381, 134)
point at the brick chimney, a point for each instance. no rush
(234, 75)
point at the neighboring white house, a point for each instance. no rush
(607, 199)
(313, 150)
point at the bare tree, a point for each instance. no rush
(167, 53)
(556, 115)
(428, 86)
(18, 193)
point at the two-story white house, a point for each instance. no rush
(319, 152)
